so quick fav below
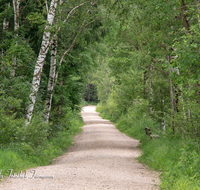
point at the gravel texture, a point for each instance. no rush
(101, 158)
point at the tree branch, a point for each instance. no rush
(161, 71)
(72, 45)
(68, 16)
(47, 6)
(163, 46)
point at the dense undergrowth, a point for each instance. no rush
(37, 144)
(176, 157)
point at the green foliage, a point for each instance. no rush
(35, 133)
(8, 128)
(36, 18)
(11, 159)
(90, 93)
(186, 170)
(141, 39)
(188, 55)
(175, 157)
(31, 146)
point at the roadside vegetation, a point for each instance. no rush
(47, 49)
(138, 59)
(38, 144)
(148, 76)
(176, 157)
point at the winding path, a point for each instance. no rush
(102, 158)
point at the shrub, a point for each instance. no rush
(8, 128)
(35, 133)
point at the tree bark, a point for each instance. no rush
(16, 4)
(51, 80)
(151, 68)
(52, 73)
(184, 17)
(47, 8)
(40, 61)
(60, 106)
(171, 95)
(53, 77)
(198, 11)
(162, 125)
(145, 82)
(5, 27)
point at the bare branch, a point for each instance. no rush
(92, 21)
(68, 16)
(73, 10)
(163, 46)
(72, 45)
(47, 6)
(161, 71)
(92, 4)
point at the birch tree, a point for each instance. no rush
(52, 71)
(40, 60)
(51, 79)
(151, 68)
(16, 4)
(5, 27)
(53, 75)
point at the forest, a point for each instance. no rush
(139, 60)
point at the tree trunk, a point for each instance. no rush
(5, 27)
(60, 106)
(16, 4)
(40, 61)
(145, 82)
(171, 101)
(162, 125)
(198, 11)
(150, 88)
(171, 96)
(52, 73)
(184, 17)
(51, 80)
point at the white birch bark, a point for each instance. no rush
(150, 88)
(52, 74)
(5, 27)
(47, 6)
(54, 80)
(162, 125)
(16, 4)
(40, 60)
(68, 16)
(171, 95)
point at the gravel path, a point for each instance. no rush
(102, 158)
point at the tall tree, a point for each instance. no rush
(5, 27)
(40, 60)
(16, 4)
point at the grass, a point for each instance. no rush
(24, 154)
(177, 158)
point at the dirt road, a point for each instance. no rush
(102, 158)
